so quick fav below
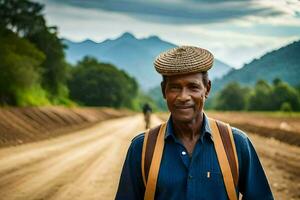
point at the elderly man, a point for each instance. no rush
(191, 156)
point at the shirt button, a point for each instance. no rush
(183, 153)
(190, 176)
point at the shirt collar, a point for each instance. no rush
(205, 130)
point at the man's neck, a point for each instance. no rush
(188, 130)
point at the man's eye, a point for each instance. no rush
(194, 87)
(174, 87)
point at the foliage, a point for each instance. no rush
(263, 97)
(286, 107)
(232, 97)
(141, 99)
(32, 96)
(282, 92)
(55, 68)
(33, 56)
(156, 95)
(100, 84)
(211, 103)
(259, 98)
(22, 16)
(20, 68)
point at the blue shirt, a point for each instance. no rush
(183, 177)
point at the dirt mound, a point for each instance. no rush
(23, 125)
(282, 128)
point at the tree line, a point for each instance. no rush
(94, 83)
(34, 72)
(262, 97)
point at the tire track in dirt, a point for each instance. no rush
(50, 162)
(49, 173)
(281, 162)
(14, 158)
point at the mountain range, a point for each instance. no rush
(133, 55)
(136, 56)
(283, 63)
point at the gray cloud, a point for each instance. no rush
(179, 11)
(245, 29)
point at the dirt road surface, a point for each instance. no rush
(86, 165)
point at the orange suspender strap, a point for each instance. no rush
(148, 150)
(152, 157)
(226, 155)
(143, 155)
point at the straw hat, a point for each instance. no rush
(183, 60)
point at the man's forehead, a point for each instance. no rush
(189, 78)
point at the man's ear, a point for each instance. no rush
(163, 88)
(208, 87)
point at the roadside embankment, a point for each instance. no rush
(23, 125)
(281, 127)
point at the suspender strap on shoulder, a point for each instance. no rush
(229, 145)
(226, 155)
(148, 150)
(151, 157)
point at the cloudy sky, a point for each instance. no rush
(236, 31)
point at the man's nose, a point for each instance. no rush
(184, 95)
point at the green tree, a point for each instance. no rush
(55, 68)
(156, 94)
(22, 16)
(286, 107)
(284, 93)
(260, 97)
(26, 19)
(277, 81)
(141, 99)
(20, 70)
(100, 84)
(232, 97)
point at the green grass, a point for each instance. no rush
(34, 96)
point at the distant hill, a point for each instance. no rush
(283, 63)
(133, 55)
(219, 69)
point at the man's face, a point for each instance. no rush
(185, 96)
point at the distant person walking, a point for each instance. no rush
(147, 110)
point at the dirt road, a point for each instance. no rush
(87, 164)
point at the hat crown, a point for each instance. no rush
(180, 51)
(183, 60)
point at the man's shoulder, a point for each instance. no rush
(239, 134)
(241, 140)
(137, 141)
(138, 138)
(135, 147)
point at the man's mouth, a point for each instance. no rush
(181, 107)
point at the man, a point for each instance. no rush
(190, 167)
